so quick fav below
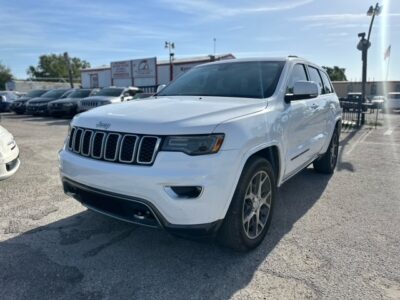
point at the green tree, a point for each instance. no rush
(53, 66)
(5, 75)
(336, 73)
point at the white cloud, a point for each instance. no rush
(212, 9)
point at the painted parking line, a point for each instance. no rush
(358, 141)
(388, 132)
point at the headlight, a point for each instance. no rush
(12, 143)
(194, 144)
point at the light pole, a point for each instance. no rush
(170, 46)
(67, 61)
(363, 46)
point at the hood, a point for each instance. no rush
(23, 99)
(41, 100)
(66, 100)
(101, 98)
(168, 115)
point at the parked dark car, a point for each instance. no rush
(68, 106)
(351, 102)
(39, 106)
(6, 99)
(19, 105)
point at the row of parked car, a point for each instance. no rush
(387, 104)
(66, 102)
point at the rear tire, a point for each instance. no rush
(327, 163)
(249, 216)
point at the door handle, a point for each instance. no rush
(314, 106)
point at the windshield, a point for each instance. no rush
(80, 94)
(111, 92)
(54, 93)
(36, 93)
(234, 79)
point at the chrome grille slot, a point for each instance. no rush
(114, 146)
(147, 149)
(111, 146)
(77, 140)
(128, 148)
(97, 145)
(86, 141)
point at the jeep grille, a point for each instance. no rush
(114, 146)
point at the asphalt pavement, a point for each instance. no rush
(332, 237)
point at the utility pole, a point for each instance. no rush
(170, 46)
(66, 57)
(215, 45)
(363, 45)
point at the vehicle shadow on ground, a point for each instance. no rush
(48, 120)
(89, 256)
(344, 142)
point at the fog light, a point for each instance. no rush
(185, 192)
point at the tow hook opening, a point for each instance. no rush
(142, 214)
(184, 192)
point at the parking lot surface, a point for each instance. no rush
(332, 237)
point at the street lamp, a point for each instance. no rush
(363, 45)
(170, 46)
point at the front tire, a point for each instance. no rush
(327, 163)
(249, 215)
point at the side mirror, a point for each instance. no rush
(126, 94)
(303, 90)
(161, 87)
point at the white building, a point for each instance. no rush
(146, 72)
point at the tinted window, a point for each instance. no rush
(54, 93)
(110, 92)
(238, 79)
(80, 94)
(314, 76)
(327, 83)
(298, 73)
(36, 93)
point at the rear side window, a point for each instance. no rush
(314, 76)
(327, 83)
(298, 73)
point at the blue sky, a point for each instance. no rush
(322, 31)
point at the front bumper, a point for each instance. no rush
(214, 173)
(62, 110)
(18, 107)
(5, 106)
(37, 109)
(10, 165)
(134, 210)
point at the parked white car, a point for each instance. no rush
(107, 96)
(392, 102)
(9, 153)
(206, 156)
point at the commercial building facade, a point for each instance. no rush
(373, 88)
(146, 72)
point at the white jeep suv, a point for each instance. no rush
(106, 96)
(206, 154)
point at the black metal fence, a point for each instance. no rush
(355, 114)
(149, 89)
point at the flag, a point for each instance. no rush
(387, 52)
